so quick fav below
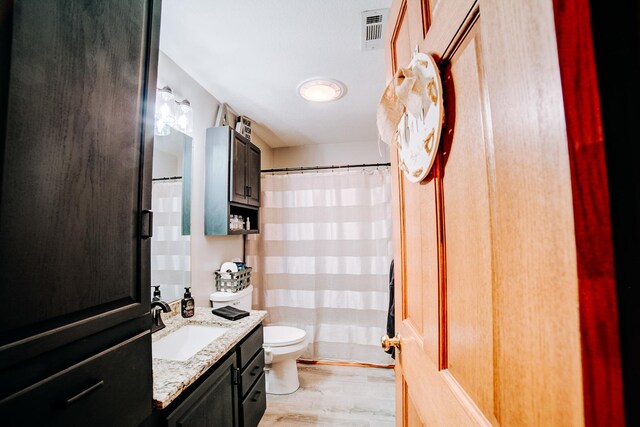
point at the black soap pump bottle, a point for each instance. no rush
(187, 304)
(156, 293)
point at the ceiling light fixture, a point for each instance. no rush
(322, 89)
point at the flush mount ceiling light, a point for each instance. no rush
(322, 90)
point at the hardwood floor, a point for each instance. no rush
(335, 396)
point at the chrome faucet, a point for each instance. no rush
(157, 307)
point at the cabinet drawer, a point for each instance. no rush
(249, 347)
(110, 388)
(254, 405)
(252, 371)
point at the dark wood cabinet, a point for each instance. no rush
(245, 170)
(213, 403)
(252, 393)
(109, 388)
(252, 175)
(254, 404)
(232, 184)
(238, 184)
(75, 174)
(231, 393)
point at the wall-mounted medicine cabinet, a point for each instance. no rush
(232, 182)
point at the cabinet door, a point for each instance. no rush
(238, 190)
(253, 175)
(112, 388)
(73, 151)
(211, 404)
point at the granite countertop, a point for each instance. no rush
(171, 377)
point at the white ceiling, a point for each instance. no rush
(252, 54)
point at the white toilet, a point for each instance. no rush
(240, 300)
(282, 344)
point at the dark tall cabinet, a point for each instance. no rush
(75, 175)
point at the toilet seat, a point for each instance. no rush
(280, 336)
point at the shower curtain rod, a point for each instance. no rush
(316, 168)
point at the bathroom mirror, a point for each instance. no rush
(171, 206)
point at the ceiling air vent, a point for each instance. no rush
(373, 23)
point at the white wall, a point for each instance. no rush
(207, 252)
(331, 154)
(266, 152)
(165, 164)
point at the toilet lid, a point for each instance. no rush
(221, 296)
(278, 336)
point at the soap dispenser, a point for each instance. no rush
(187, 304)
(156, 294)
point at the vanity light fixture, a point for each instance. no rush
(184, 119)
(322, 89)
(165, 115)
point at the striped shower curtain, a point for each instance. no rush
(321, 260)
(170, 250)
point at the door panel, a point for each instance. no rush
(537, 331)
(238, 180)
(467, 229)
(495, 336)
(412, 417)
(253, 175)
(405, 33)
(414, 271)
(421, 267)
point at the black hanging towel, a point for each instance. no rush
(391, 328)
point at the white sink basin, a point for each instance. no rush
(185, 342)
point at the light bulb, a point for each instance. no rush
(184, 119)
(322, 90)
(161, 128)
(165, 110)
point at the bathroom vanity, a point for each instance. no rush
(222, 384)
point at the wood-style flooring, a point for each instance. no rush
(332, 395)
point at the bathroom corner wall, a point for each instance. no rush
(207, 252)
(331, 154)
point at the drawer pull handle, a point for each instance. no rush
(84, 393)
(255, 370)
(256, 395)
(148, 233)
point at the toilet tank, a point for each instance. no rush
(240, 300)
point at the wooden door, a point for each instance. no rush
(75, 166)
(253, 175)
(238, 190)
(487, 304)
